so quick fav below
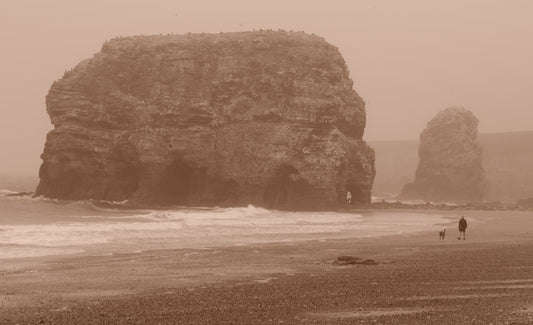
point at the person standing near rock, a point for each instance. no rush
(462, 228)
(348, 197)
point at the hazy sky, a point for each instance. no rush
(408, 59)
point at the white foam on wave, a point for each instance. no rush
(4, 192)
(82, 233)
(15, 251)
(246, 216)
(187, 228)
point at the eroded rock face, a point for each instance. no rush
(450, 166)
(263, 118)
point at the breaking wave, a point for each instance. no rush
(37, 226)
(4, 192)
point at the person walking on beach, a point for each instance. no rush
(462, 228)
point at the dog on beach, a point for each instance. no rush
(442, 234)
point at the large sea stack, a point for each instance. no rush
(264, 118)
(450, 166)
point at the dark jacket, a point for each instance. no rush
(462, 224)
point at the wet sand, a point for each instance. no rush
(419, 279)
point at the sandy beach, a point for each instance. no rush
(418, 279)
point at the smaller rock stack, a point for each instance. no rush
(450, 166)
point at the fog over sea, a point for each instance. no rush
(31, 227)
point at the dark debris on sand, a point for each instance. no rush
(353, 260)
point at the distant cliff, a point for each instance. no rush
(450, 165)
(265, 118)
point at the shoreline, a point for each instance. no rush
(147, 286)
(383, 204)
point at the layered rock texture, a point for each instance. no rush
(264, 118)
(450, 165)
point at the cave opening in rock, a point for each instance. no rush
(357, 195)
(285, 190)
(125, 169)
(178, 183)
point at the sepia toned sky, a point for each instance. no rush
(408, 59)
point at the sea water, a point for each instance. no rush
(31, 227)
